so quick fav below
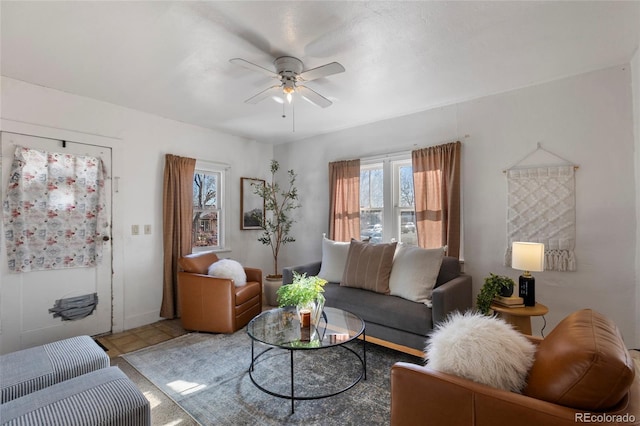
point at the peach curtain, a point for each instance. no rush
(436, 180)
(177, 217)
(344, 203)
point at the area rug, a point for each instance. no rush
(207, 375)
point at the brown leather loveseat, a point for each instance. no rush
(582, 373)
(216, 304)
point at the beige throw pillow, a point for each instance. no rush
(415, 271)
(334, 259)
(369, 266)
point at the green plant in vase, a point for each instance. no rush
(493, 285)
(305, 292)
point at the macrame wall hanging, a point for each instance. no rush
(542, 209)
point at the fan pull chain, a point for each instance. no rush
(293, 115)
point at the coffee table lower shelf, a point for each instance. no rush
(292, 396)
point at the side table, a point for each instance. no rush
(520, 318)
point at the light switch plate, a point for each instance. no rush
(135, 229)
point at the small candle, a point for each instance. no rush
(305, 318)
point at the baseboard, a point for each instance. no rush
(142, 319)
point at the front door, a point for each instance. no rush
(26, 297)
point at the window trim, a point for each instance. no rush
(224, 170)
(396, 191)
(391, 210)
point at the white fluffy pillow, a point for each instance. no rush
(482, 349)
(227, 268)
(414, 273)
(334, 259)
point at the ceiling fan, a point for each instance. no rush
(289, 71)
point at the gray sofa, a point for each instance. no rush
(393, 321)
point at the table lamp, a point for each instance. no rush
(527, 257)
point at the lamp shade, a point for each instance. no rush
(527, 256)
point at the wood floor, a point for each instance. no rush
(141, 337)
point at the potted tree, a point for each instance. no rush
(279, 202)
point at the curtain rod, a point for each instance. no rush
(64, 141)
(395, 154)
(387, 155)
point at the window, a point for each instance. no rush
(386, 201)
(404, 214)
(208, 202)
(371, 202)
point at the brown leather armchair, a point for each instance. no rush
(581, 361)
(216, 304)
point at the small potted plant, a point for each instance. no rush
(304, 293)
(494, 285)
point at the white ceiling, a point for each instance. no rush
(172, 58)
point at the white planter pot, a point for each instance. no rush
(270, 287)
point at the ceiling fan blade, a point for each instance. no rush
(321, 71)
(251, 66)
(271, 91)
(313, 97)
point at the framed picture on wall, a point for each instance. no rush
(251, 204)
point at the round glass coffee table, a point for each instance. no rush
(280, 328)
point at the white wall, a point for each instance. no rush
(586, 119)
(145, 139)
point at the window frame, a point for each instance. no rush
(391, 209)
(368, 166)
(222, 170)
(398, 209)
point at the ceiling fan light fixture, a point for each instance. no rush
(288, 89)
(290, 71)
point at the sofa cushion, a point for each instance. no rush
(369, 266)
(414, 272)
(449, 270)
(480, 348)
(334, 259)
(582, 364)
(247, 292)
(197, 263)
(32, 369)
(105, 396)
(391, 311)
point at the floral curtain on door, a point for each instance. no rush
(54, 212)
